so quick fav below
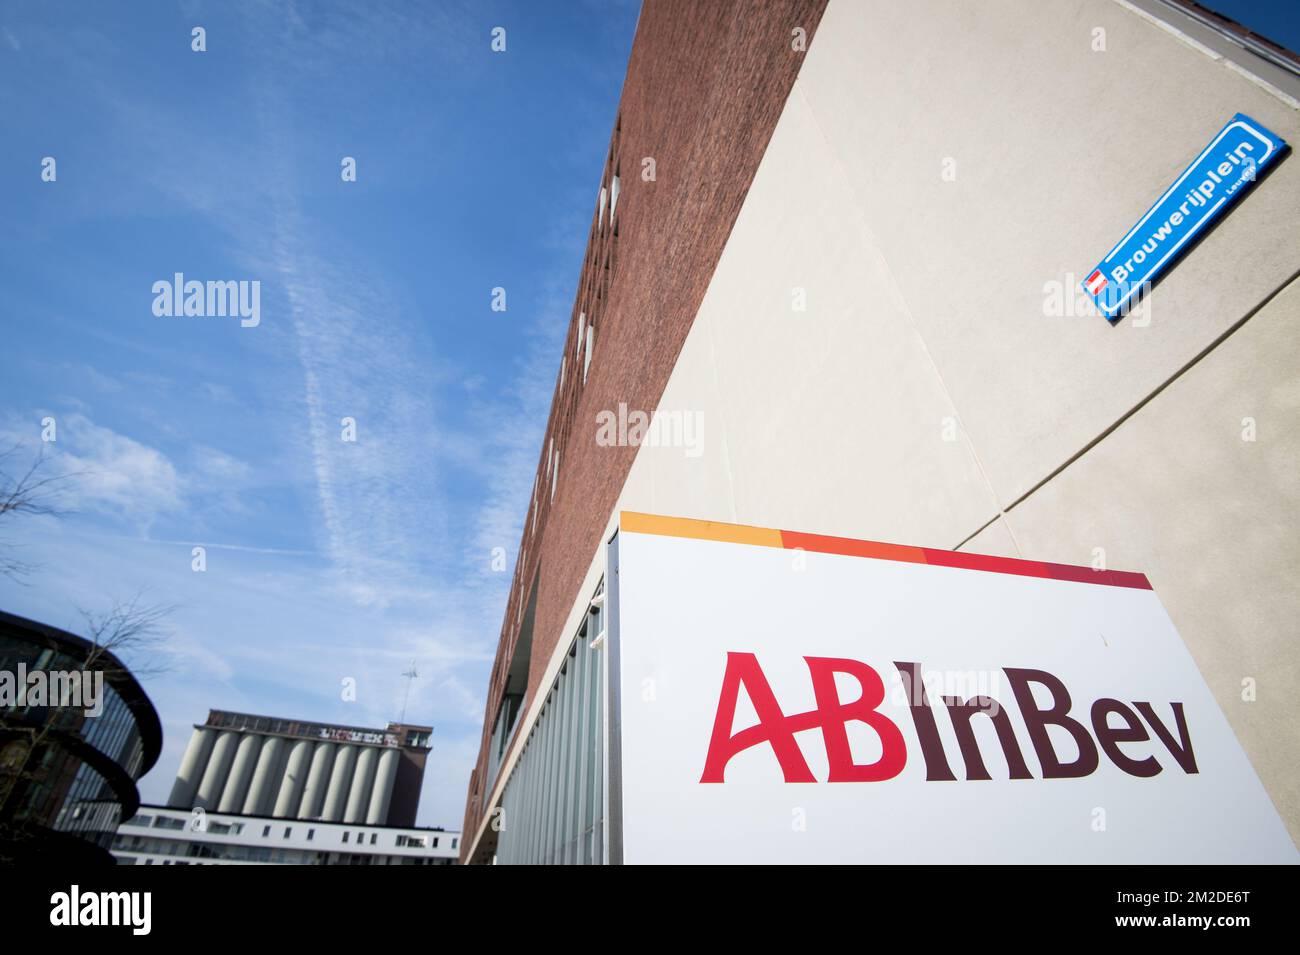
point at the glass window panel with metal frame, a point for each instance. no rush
(552, 807)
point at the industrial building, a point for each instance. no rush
(843, 241)
(260, 790)
(68, 771)
(160, 835)
(296, 769)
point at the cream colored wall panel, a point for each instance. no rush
(1058, 150)
(829, 419)
(687, 479)
(1175, 492)
(994, 540)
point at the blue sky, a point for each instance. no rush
(1278, 20)
(325, 559)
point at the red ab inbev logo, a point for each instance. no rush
(1109, 724)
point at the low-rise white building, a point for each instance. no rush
(159, 835)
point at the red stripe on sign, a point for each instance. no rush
(1110, 578)
(822, 544)
(1084, 575)
(986, 562)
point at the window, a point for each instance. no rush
(613, 197)
(373, 837)
(167, 822)
(311, 834)
(287, 830)
(345, 837)
(556, 786)
(511, 707)
(586, 362)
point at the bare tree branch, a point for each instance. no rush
(30, 494)
(129, 628)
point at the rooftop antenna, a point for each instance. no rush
(410, 678)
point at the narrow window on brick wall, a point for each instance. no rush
(613, 197)
(600, 218)
(533, 528)
(586, 361)
(555, 474)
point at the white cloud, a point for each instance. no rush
(218, 469)
(190, 656)
(112, 473)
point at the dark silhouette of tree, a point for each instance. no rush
(28, 492)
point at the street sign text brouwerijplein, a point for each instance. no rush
(1217, 178)
(787, 697)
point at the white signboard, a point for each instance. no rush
(782, 697)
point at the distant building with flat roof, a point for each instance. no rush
(299, 769)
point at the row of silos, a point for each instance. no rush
(260, 775)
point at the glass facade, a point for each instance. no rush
(63, 793)
(72, 743)
(114, 732)
(553, 806)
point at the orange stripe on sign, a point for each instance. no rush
(638, 523)
(822, 544)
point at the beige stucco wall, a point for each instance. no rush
(924, 392)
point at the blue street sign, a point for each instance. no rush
(1217, 178)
